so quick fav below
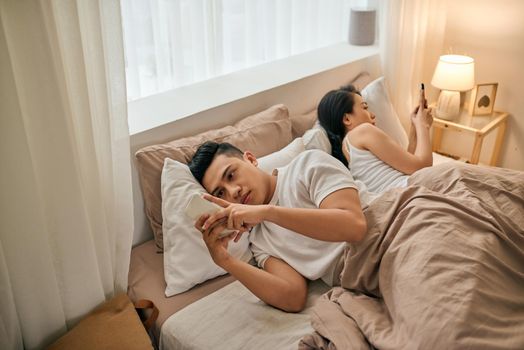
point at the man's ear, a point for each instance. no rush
(250, 157)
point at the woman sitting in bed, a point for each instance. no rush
(372, 156)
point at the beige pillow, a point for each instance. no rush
(302, 122)
(261, 133)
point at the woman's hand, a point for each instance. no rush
(421, 114)
(422, 117)
(429, 117)
(413, 116)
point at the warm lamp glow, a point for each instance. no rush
(454, 73)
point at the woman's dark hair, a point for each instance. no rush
(205, 155)
(331, 110)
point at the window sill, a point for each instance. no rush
(156, 110)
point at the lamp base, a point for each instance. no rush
(448, 105)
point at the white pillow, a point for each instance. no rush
(283, 157)
(377, 97)
(186, 259)
(316, 138)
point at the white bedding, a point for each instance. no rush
(233, 318)
(439, 159)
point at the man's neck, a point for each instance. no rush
(272, 179)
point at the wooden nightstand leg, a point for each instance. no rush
(437, 138)
(498, 144)
(475, 155)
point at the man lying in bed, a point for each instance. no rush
(314, 196)
(437, 265)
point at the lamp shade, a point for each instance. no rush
(455, 73)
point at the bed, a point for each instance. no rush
(181, 322)
(146, 275)
(441, 267)
(214, 310)
(176, 323)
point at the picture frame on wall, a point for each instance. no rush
(483, 99)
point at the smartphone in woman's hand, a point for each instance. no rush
(423, 95)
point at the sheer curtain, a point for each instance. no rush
(66, 203)
(411, 40)
(170, 43)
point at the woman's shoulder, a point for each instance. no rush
(364, 128)
(362, 134)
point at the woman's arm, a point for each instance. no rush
(422, 121)
(373, 139)
(412, 139)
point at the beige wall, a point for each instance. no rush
(492, 32)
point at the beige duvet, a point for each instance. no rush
(442, 267)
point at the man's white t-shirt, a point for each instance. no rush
(304, 183)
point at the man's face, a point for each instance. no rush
(237, 180)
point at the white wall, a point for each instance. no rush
(492, 32)
(299, 96)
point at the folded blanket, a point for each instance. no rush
(442, 267)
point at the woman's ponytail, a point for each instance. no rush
(336, 147)
(331, 110)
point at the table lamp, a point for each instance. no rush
(453, 74)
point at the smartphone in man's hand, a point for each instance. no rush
(198, 206)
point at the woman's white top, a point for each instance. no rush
(373, 172)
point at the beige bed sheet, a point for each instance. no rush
(442, 267)
(146, 281)
(233, 318)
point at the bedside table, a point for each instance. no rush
(479, 126)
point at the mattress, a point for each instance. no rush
(233, 318)
(146, 281)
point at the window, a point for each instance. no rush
(172, 43)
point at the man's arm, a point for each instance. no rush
(278, 284)
(339, 217)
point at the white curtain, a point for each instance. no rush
(66, 204)
(171, 43)
(411, 39)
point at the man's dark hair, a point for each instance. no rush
(205, 155)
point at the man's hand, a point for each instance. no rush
(217, 246)
(240, 217)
